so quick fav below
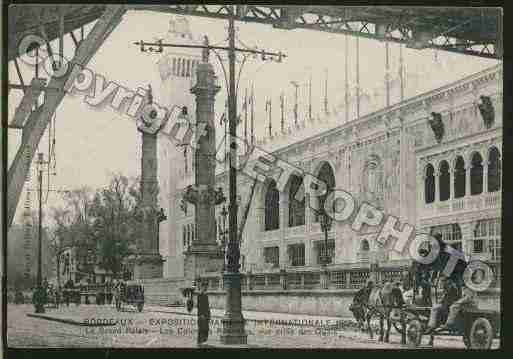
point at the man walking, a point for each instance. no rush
(203, 314)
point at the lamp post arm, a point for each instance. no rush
(224, 70)
(240, 71)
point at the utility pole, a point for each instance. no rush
(387, 70)
(326, 94)
(246, 115)
(346, 97)
(233, 323)
(296, 85)
(357, 77)
(310, 98)
(39, 297)
(282, 107)
(401, 70)
(252, 114)
(268, 109)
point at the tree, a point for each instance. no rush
(115, 228)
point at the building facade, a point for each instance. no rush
(444, 179)
(432, 160)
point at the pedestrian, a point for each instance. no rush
(203, 314)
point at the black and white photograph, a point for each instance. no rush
(252, 176)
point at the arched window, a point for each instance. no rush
(272, 207)
(459, 178)
(476, 175)
(188, 235)
(325, 175)
(184, 234)
(494, 170)
(429, 184)
(444, 181)
(193, 68)
(364, 246)
(296, 208)
(174, 66)
(188, 71)
(183, 67)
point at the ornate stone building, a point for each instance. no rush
(433, 161)
(392, 159)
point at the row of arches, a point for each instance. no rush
(476, 171)
(296, 208)
(183, 67)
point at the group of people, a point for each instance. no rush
(444, 312)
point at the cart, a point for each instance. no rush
(477, 327)
(131, 294)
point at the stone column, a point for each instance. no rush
(485, 175)
(437, 185)
(204, 254)
(451, 183)
(148, 262)
(467, 179)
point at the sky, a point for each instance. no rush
(92, 143)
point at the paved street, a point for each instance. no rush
(172, 327)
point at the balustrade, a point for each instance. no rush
(476, 202)
(338, 279)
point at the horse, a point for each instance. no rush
(382, 301)
(359, 311)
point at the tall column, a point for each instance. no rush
(485, 175)
(451, 183)
(204, 254)
(467, 179)
(148, 262)
(437, 185)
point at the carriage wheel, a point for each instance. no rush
(481, 334)
(414, 333)
(140, 307)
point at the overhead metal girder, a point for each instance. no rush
(39, 119)
(32, 93)
(471, 31)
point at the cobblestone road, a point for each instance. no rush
(162, 329)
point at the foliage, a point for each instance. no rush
(102, 225)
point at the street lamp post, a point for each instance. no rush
(39, 292)
(224, 233)
(233, 321)
(325, 221)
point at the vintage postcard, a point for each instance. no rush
(242, 176)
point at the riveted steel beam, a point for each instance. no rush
(37, 122)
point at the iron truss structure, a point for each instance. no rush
(471, 31)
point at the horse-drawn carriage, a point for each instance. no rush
(477, 327)
(129, 293)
